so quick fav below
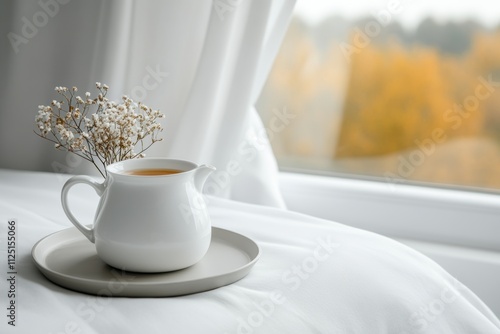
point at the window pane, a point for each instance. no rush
(401, 90)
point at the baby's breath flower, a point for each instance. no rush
(56, 104)
(108, 135)
(61, 89)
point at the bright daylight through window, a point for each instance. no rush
(403, 90)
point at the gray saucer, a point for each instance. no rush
(68, 259)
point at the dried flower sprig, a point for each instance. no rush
(108, 135)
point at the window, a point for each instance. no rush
(400, 90)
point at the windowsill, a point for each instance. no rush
(426, 214)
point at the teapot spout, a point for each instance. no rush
(201, 175)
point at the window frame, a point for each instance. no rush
(407, 211)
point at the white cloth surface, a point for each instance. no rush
(347, 281)
(202, 63)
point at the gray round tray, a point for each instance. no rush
(68, 259)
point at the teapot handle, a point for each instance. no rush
(98, 187)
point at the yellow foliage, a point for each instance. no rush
(363, 114)
(396, 97)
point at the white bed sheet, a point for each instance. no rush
(314, 276)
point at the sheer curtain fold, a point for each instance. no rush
(233, 60)
(201, 62)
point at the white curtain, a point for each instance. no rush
(203, 63)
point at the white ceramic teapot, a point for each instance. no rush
(147, 222)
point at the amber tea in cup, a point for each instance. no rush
(152, 172)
